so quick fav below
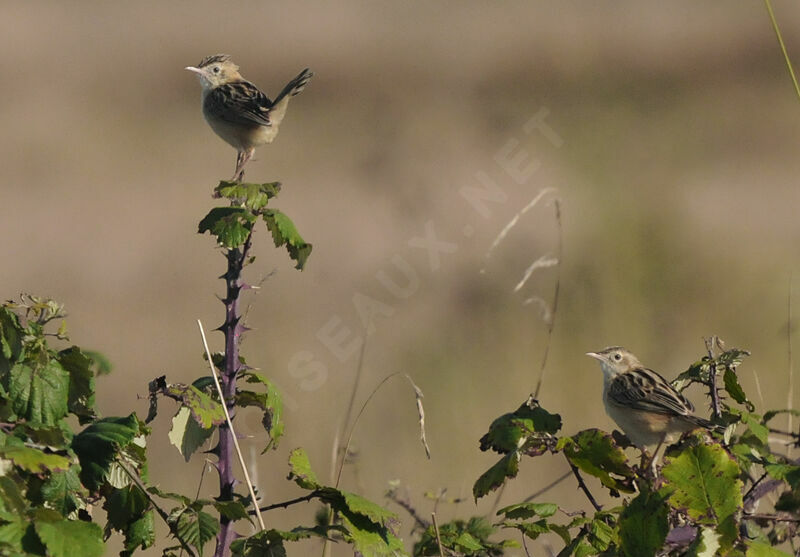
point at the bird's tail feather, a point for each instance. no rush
(295, 86)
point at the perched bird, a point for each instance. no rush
(237, 110)
(642, 403)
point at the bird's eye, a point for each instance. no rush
(618, 356)
(216, 69)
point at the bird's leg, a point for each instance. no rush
(241, 160)
(652, 466)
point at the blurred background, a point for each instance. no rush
(669, 133)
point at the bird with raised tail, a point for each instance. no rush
(237, 110)
(643, 404)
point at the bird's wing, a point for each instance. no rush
(239, 103)
(644, 389)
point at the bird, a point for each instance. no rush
(644, 405)
(237, 110)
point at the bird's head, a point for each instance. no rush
(216, 70)
(614, 360)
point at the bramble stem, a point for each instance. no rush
(232, 328)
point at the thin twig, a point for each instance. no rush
(552, 322)
(161, 512)
(358, 416)
(200, 483)
(438, 538)
(775, 517)
(290, 502)
(230, 426)
(356, 382)
(525, 545)
(405, 504)
(752, 487)
(783, 47)
(790, 393)
(582, 485)
(548, 487)
(497, 498)
(716, 408)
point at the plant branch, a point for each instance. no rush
(233, 329)
(161, 512)
(552, 322)
(548, 487)
(406, 506)
(214, 374)
(438, 538)
(582, 485)
(783, 47)
(716, 408)
(314, 494)
(775, 517)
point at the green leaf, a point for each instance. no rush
(705, 545)
(753, 423)
(531, 529)
(790, 473)
(732, 357)
(596, 453)
(12, 532)
(643, 525)
(528, 510)
(98, 446)
(789, 501)
(759, 549)
(39, 392)
(285, 233)
(231, 225)
(232, 510)
(205, 410)
(128, 511)
(101, 365)
(33, 460)
(186, 434)
(11, 333)
(268, 543)
(735, 389)
(252, 196)
(141, 533)
(494, 477)
(529, 424)
(125, 505)
(269, 402)
(300, 470)
(703, 481)
(368, 538)
(460, 537)
(772, 413)
(365, 507)
(80, 400)
(12, 494)
(368, 526)
(62, 491)
(601, 535)
(195, 527)
(68, 538)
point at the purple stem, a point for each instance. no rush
(232, 329)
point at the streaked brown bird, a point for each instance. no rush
(643, 404)
(237, 110)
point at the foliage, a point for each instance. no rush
(700, 502)
(50, 475)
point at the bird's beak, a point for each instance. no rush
(595, 355)
(193, 69)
